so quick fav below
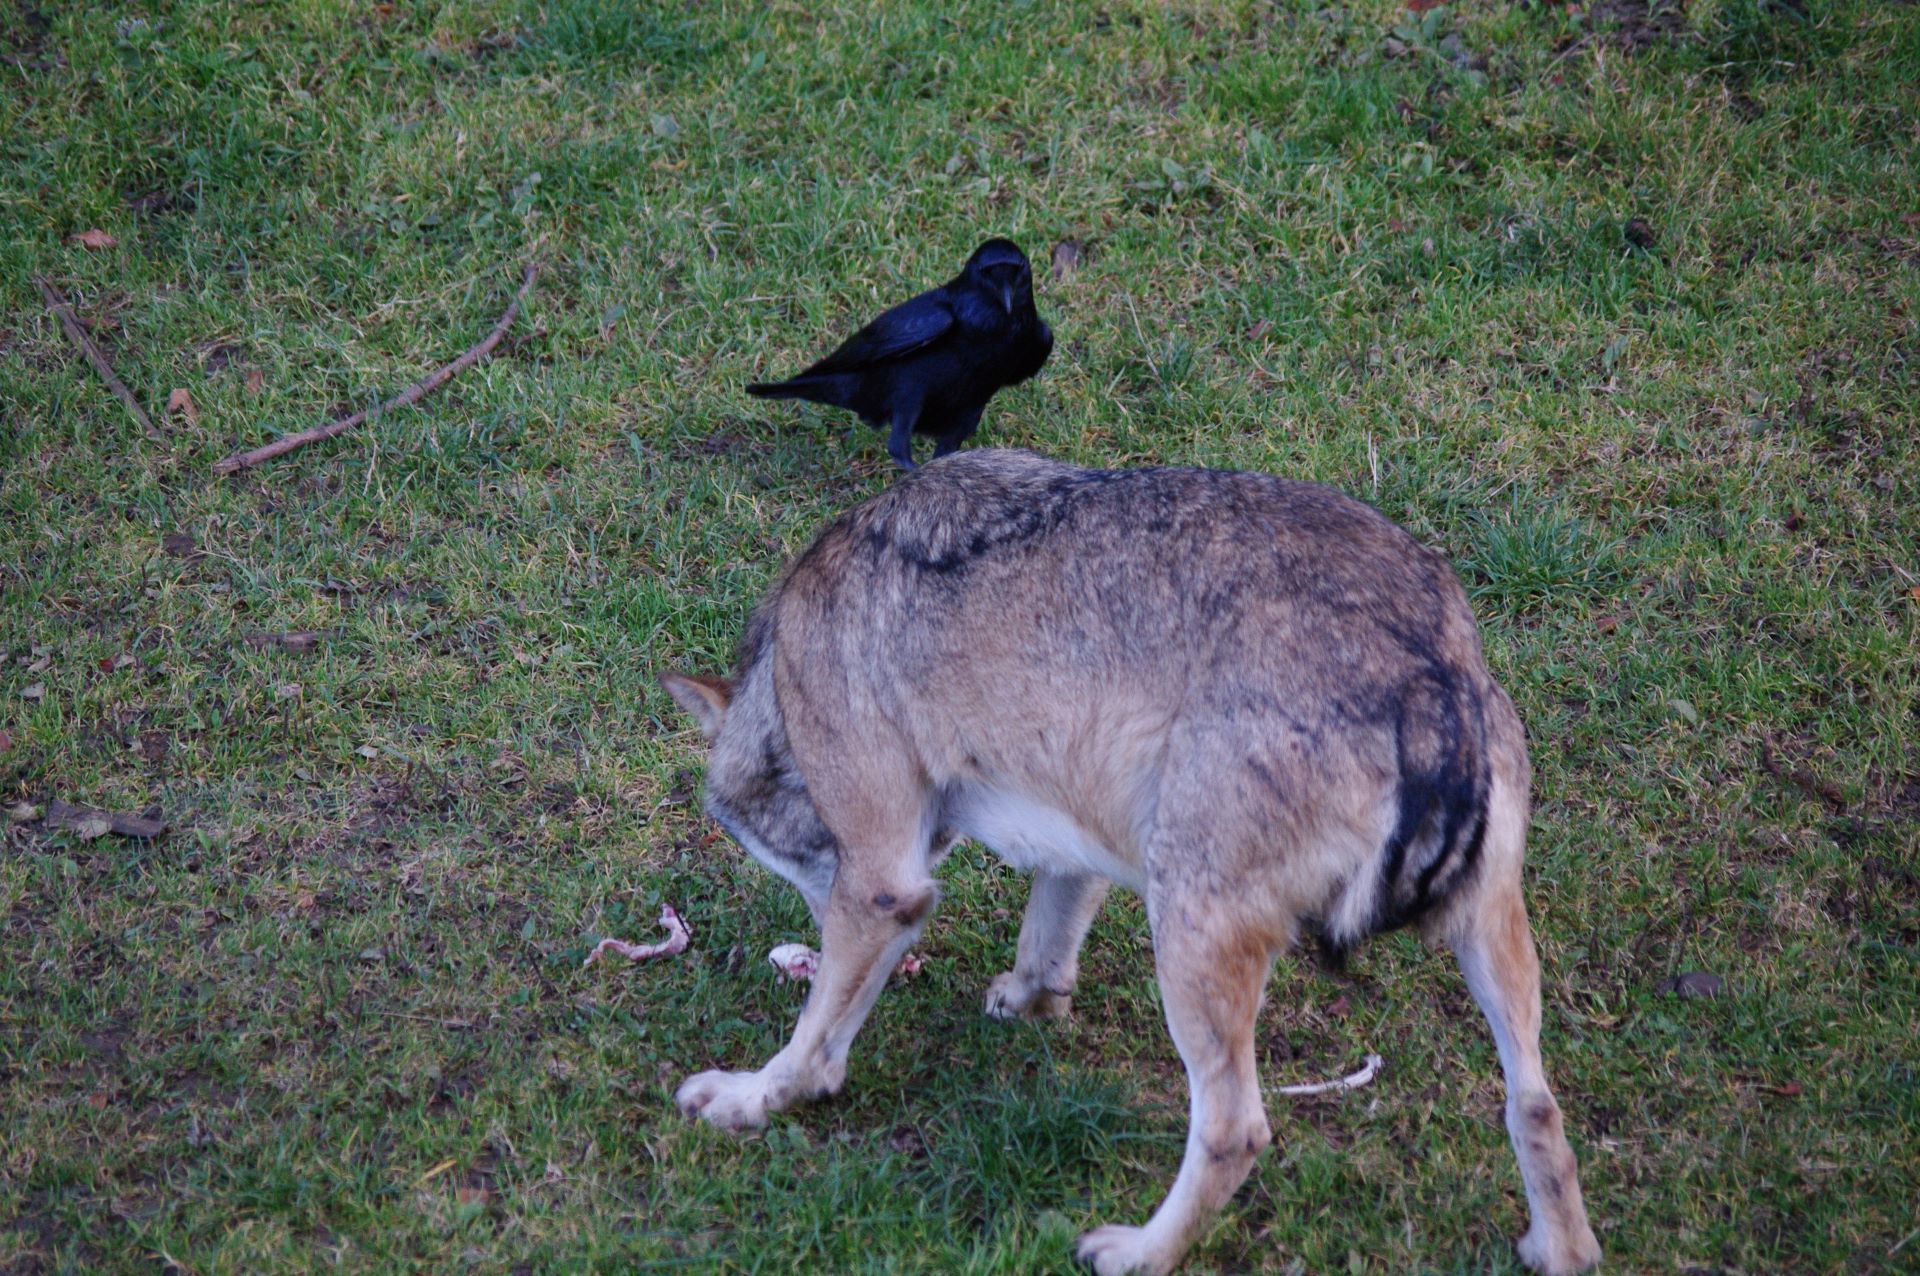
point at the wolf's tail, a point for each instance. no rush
(1441, 739)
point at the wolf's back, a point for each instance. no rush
(1268, 608)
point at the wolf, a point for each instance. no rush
(1256, 702)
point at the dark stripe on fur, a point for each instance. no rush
(953, 551)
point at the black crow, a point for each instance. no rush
(928, 366)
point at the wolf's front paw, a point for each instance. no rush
(1012, 996)
(730, 1100)
(1552, 1255)
(1113, 1250)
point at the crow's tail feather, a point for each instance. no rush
(776, 390)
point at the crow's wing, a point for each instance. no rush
(909, 326)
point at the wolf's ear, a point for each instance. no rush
(705, 698)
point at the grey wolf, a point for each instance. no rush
(1256, 702)
(930, 364)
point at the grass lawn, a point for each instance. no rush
(1618, 303)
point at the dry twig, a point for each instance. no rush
(412, 394)
(301, 640)
(78, 335)
(90, 823)
(1800, 777)
(1370, 1068)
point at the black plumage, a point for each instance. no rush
(929, 365)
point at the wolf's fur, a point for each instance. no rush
(1257, 702)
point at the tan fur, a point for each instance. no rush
(1257, 703)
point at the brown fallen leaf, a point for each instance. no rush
(95, 239)
(301, 640)
(180, 545)
(1639, 232)
(1341, 1007)
(89, 823)
(256, 381)
(34, 691)
(1914, 593)
(472, 1196)
(114, 664)
(98, 1100)
(1261, 327)
(1421, 6)
(23, 812)
(1606, 624)
(6, 739)
(1786, 1090)
(180, 403)
(1066, 258)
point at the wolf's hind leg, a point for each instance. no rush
(1060, 908)
(1491, 938)
(866, 930)
(1211, 977)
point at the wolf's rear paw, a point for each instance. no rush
(1114, 1250)
(730, 1100)
(1558, 1255)
(1010, 996)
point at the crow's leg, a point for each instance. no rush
(900, 441)
(962, 430)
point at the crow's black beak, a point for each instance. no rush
(1006, 297)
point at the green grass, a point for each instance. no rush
(336, 1018)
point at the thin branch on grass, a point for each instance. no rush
(89, 823)
(458, 1025)
(1367, 1073)
(1800, 777)
(78, 335)
(300, 640)
(412, 394)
